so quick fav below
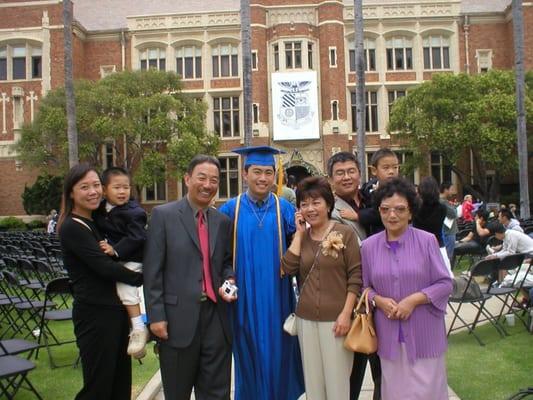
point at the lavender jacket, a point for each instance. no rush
(416, 266)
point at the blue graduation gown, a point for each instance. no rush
(267, 360)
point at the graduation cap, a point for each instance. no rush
(258, 155)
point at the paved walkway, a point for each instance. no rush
(154, 392)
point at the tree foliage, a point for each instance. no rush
(456, 114)
(43, 196)
(144, 112)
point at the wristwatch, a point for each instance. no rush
(373, 302)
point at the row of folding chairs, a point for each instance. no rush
(507, 296)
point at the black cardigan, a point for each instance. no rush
(93, 273)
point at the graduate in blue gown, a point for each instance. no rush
(267, 360)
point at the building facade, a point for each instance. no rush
(406, 42)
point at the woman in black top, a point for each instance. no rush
(431, 214)
(100, 320)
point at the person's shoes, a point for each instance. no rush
(137, 343)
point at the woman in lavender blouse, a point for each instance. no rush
(410, 287)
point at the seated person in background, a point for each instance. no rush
(505, 217)
(513, 241)
(467, 208)
(514, 211)
(476, 240)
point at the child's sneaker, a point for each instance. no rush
(137, 343)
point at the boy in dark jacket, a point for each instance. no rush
(123, 222)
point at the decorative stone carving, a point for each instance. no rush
(294, 16)
(398, 11)
(186, 21)
(436, 10)
(223, 19)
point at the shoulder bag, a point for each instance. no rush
(362, 337)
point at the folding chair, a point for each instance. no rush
(58, 286)
(27, 309)
(13, 374)
(12, 347)
(508, 263)
(481, 268)
(522, 394)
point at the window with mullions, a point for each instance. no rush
(226, 116)
(255, 113)
(370, 55)
(154, 58)
(293, 55)
(399, 53)
(225, 60)
(189, 62)
(229, 177)
(441, 169)
(254, 60)
(436, 52)
(371, 114)
(3, 63)
(19, 62)
(276, 57)
(393, 96)
(156, 192)
(310, 55)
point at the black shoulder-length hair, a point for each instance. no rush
(74, 175)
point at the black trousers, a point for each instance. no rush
(358, 374)
(102, 338)
(205, 364)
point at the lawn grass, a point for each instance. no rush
(494, 371)
(64, 383)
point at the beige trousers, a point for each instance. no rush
(327, 364)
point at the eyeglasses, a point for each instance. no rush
(399, 210)
(341, 172)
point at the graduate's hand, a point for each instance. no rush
(160, 329)
(348, 213)
(106, 248)
(342, 324)
(227, 298)
(300, 222)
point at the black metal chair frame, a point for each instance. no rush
(481, 268)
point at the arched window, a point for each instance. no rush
(189, 62)
(20, 61)
(153, 58)
(436, 52)
(399, 53)
(370, 54)
(225, 60)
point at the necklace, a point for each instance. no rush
(262, 218)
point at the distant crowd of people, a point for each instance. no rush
(217, 282)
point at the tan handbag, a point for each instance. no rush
(362, 337)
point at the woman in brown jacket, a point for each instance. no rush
(326, 258)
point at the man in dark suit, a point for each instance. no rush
(187, 257)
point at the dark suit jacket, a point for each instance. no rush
(173, 268)
(125, 228)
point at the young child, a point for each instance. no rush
(123, 222)
(384, 165)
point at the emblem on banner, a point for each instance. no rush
(295, 108)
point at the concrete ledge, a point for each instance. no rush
(152, 388)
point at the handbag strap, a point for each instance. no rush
(363, 298)
(330, 227)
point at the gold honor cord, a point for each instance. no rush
(235, 225)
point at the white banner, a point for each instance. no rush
(295, 105)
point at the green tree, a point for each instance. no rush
(155, 128)
(43, 196)
(458, 114)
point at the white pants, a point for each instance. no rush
(327, 364)
(129, 295)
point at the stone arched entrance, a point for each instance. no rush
(299, 168)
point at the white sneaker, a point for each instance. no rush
(137, 343)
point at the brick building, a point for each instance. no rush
(406, 41)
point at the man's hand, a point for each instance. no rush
(349, 213)
(106, 248)
(160, 329)
(227, 298)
